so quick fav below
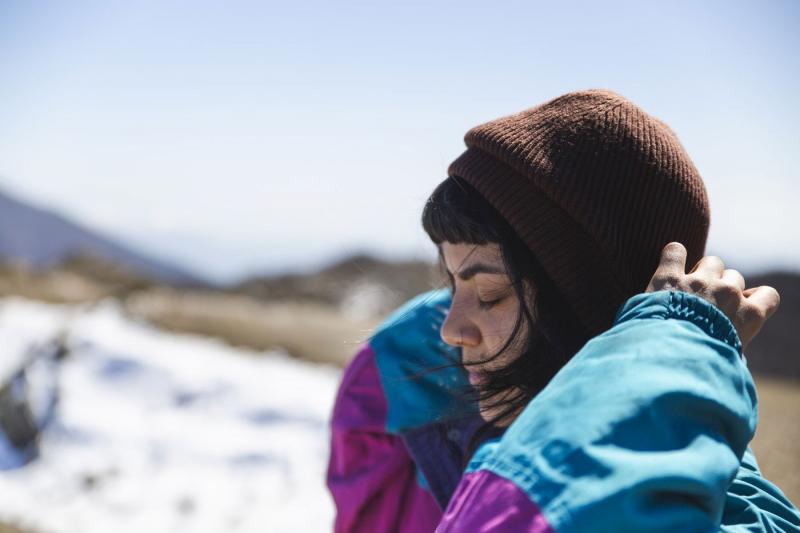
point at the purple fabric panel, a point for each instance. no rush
(370, 473)
(439, 450)
(485, 502)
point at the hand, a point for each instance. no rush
(747, 309)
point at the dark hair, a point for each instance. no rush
(457, 213)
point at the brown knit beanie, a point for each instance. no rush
(596, 188)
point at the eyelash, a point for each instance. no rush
(483, 304)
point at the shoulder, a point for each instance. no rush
(416, 321)
(360, 400)
(390, 378)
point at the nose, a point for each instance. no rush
(457, 330)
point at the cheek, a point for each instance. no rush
(499, 324)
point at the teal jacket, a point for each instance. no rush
(646, 428)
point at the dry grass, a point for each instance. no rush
(9, 528)
(315, 332)
(777, 441)
(54, 287)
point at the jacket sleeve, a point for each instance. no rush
(755, 504)
(371, 476)
(643, 430)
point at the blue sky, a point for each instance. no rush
(236, 137)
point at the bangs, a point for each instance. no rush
(457, 213)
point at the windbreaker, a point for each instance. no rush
(646, 428)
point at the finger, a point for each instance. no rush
(734, 277)
(712, 265)
(765, 297)
(673, 259)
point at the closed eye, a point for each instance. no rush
(488, 304)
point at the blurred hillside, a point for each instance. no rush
(41, 238)
(360, 284)
(322, 316)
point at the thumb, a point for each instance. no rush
(673, 258)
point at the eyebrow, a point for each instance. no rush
(479, 268)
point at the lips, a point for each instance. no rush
(476, 379)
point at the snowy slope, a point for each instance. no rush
(161, 432)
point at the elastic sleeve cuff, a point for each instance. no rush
(678, 304)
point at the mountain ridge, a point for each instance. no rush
(23, 225)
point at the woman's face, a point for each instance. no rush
(483, 312)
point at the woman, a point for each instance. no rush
(610, 381)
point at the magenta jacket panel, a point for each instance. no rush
(371, 476)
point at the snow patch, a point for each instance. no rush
(162, 432)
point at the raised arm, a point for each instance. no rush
(645, 429)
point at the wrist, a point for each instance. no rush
(667, 304)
